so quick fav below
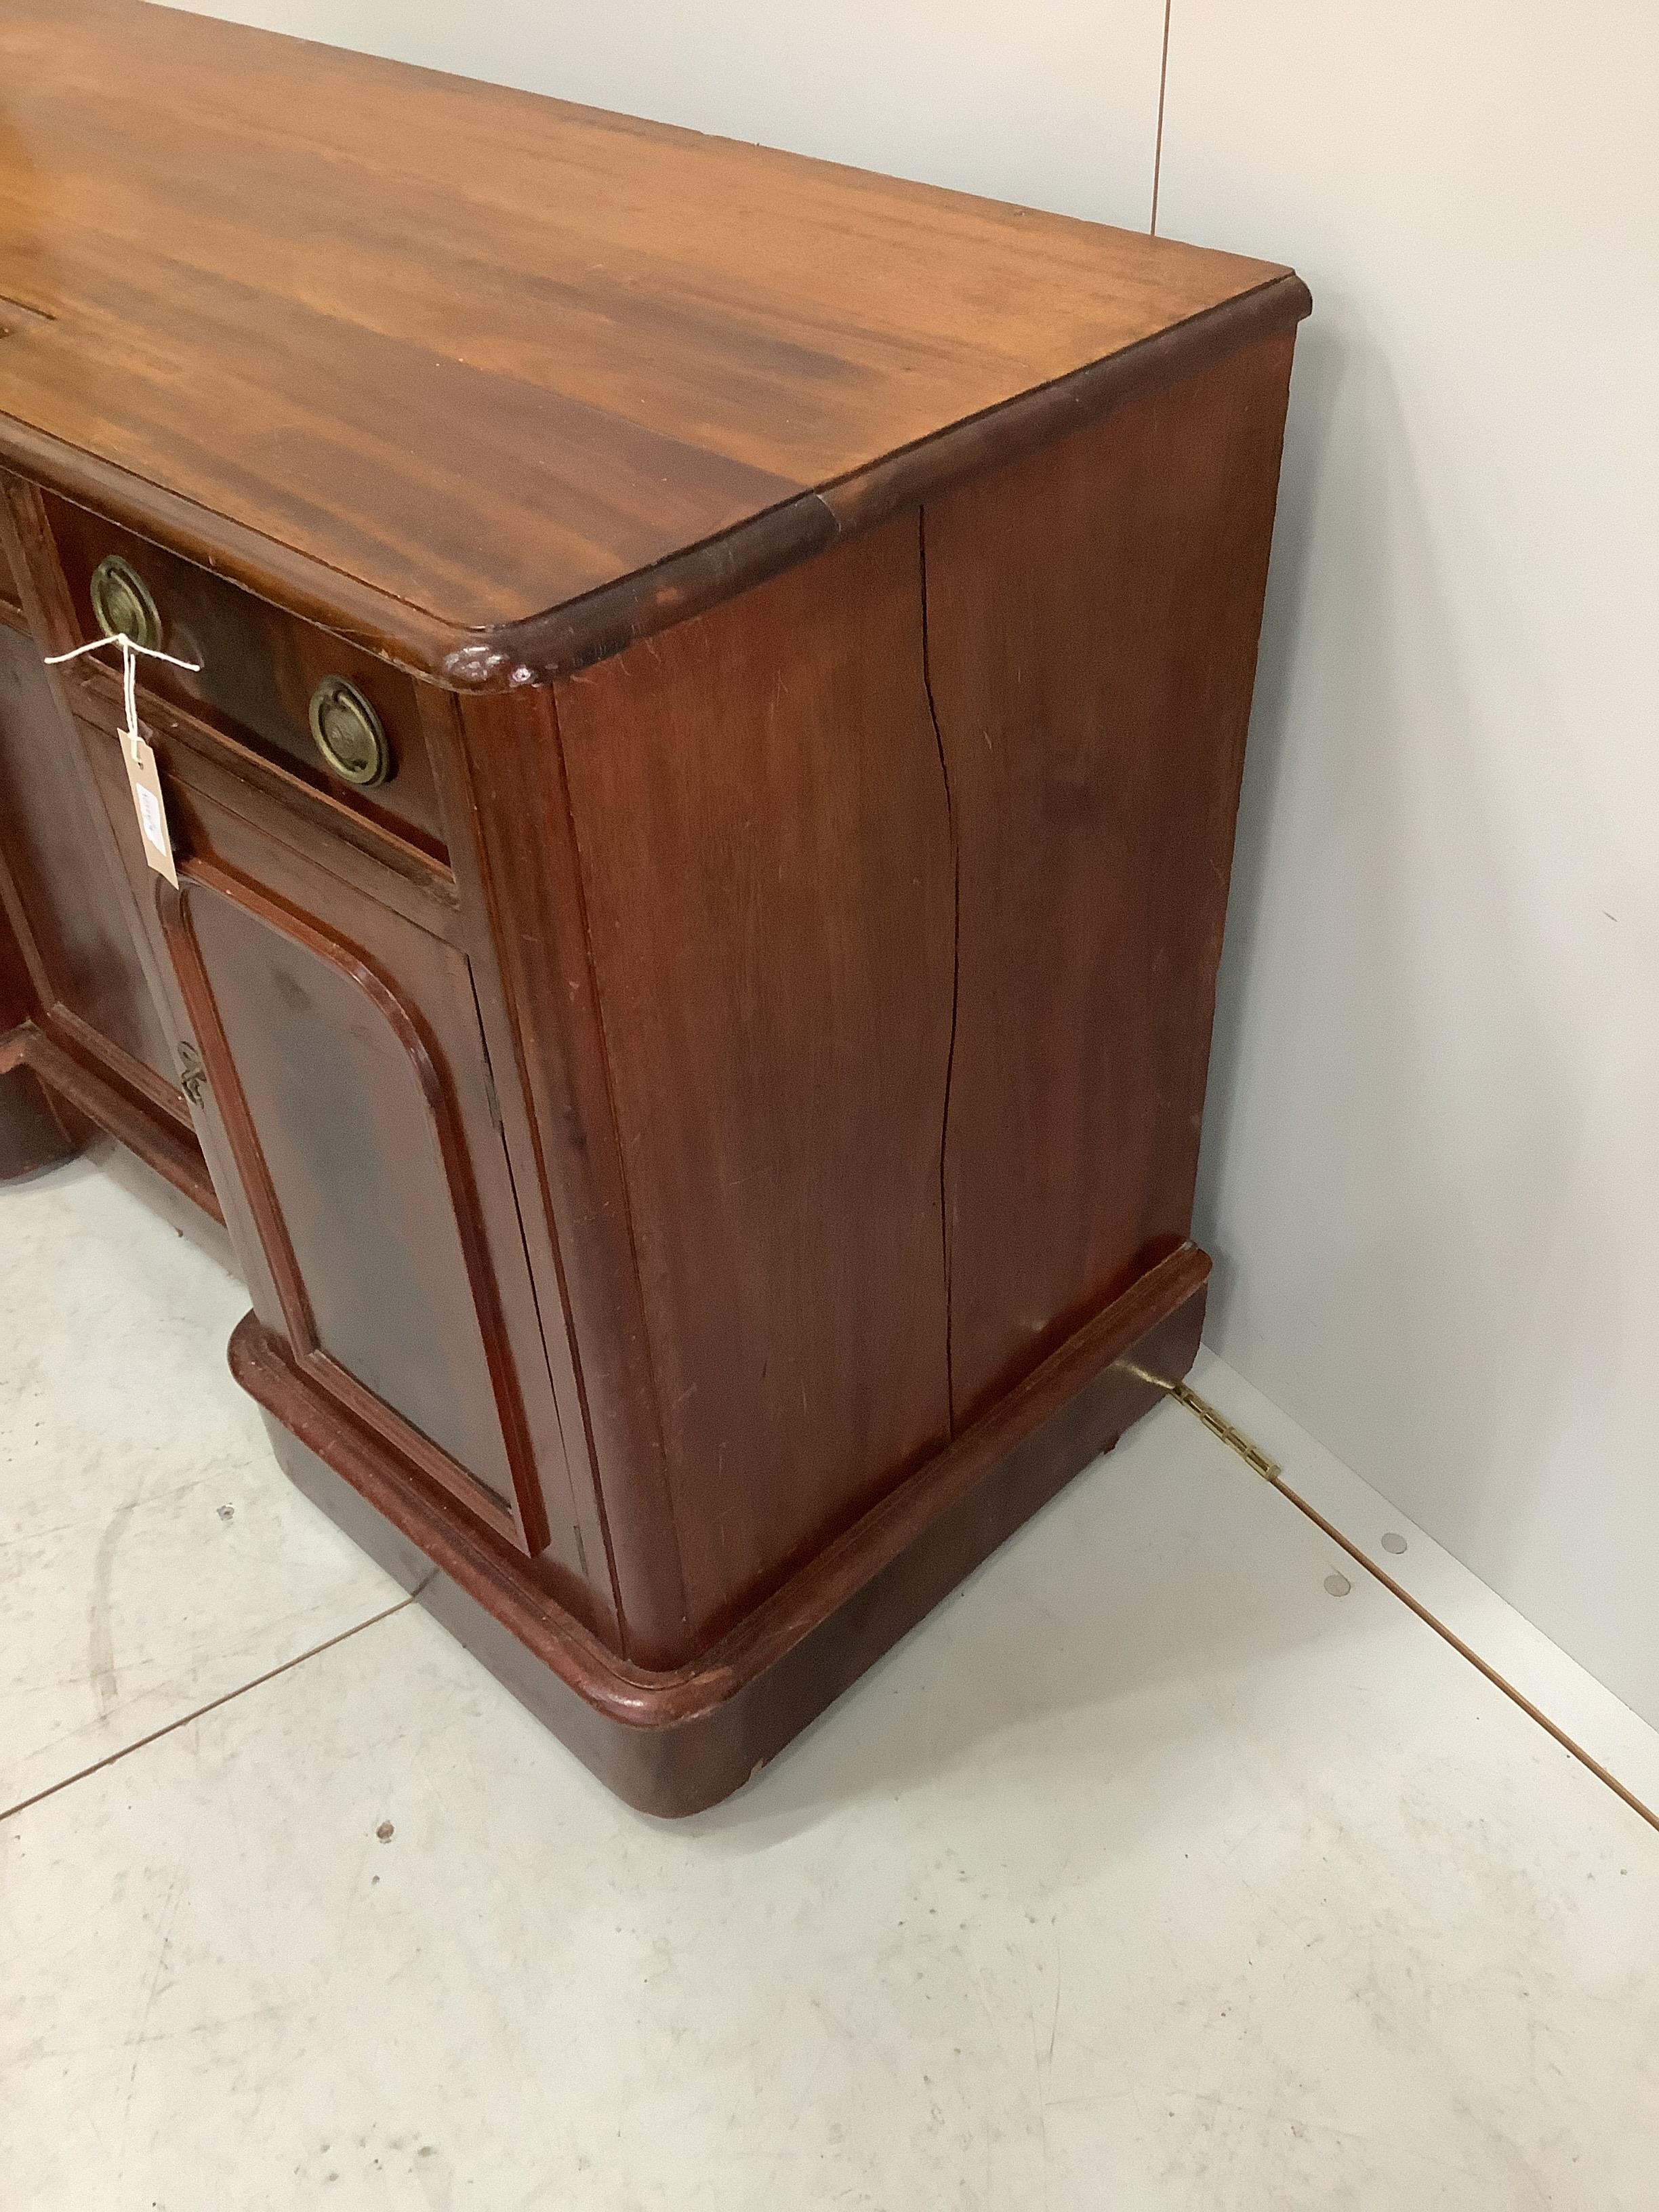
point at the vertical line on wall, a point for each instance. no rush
(955, 977)
(1157, 143)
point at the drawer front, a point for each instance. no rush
(260, 671)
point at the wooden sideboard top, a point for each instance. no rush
(492, 382)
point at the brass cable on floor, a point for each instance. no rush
(1259, 1462)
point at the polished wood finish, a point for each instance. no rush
(86, 1005)
(1106, 591)
(764, 841)
(482, 355)
(711, 1139)
(258, 668)
(343, 1047)
(364, 1177)
(675, 1741)
(73, 918)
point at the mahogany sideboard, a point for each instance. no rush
(702, 820)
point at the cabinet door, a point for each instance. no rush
(71, 911)
(343, 1046)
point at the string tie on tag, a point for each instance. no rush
(130, 649)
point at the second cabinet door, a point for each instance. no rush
(343, 1045)
(72, 916)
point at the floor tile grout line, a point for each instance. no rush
(1465, 1651)
(211, 1706)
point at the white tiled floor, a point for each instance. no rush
(1147, 1873)
(150, 1561)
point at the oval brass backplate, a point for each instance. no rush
(121, 603)
(348, 733)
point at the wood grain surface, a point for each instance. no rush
(764, 840)
(1092, 619)
(70, 913)
(342, 1054)
(675, 1741)
(711, 1140)
(310, 316)
(257, 668)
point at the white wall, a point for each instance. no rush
(1053, 102)
(1429, 1177)
(1433, 1165)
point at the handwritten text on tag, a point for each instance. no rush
(151, 809)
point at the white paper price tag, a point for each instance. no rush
(150, 807)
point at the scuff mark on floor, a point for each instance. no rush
(101, 1632)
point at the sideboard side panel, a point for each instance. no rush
(765, 846)
(1093, 613)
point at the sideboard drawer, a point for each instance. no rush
(266, 679)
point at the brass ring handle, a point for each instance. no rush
(348, 733)
(122, 605)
